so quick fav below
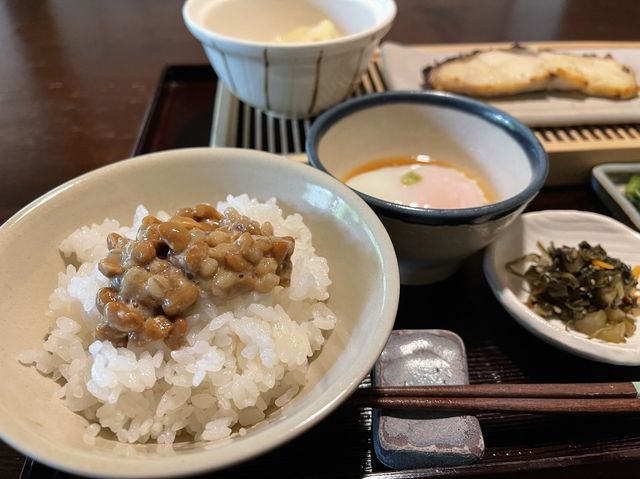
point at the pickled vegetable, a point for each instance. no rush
(632, 190)
(584, 287)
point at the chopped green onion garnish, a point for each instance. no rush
(410, 178)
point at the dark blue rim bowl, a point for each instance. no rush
(481, 214)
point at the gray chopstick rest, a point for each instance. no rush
(413, 439)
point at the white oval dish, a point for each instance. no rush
(563, 227)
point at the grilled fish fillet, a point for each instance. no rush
(517, 70)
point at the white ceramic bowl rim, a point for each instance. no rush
(520, 133)
(280, 431)
(204, 33)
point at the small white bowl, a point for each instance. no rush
(563, 227)
(364, 296)
(431, 243)
(296, 80)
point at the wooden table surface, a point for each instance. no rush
(77, 76)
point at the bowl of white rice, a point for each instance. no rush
(253, 370)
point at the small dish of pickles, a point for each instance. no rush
(570, 277)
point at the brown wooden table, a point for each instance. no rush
(77, 77)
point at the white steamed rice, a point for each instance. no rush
(241, 358)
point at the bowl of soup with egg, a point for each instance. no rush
(446, 174)
(294, 58)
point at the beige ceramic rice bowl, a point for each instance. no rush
(345, 231)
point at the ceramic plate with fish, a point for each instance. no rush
(403, 69)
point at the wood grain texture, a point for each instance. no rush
(474, 405)
(76, 79)
(495, 390)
